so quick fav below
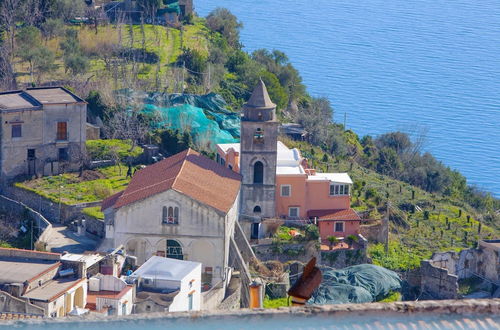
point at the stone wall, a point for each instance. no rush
(95, 226)
(302, 252)
(438, 282)
(483, 262)
(343, 258)
(42, 226)
(233, 294)
(51, 210)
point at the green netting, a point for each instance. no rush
(189, 118)
(205, 116)
(355, 284)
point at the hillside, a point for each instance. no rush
(419, 224)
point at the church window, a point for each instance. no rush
(257, 209)
(170, 215)
(258, 172)
(174, 250)
(258, 137)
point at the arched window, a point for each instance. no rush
(170, 215)
(174, 250)
(257, 209)
(258, 172)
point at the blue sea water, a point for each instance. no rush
(428, 66)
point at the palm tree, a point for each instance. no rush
(351, 239)
(333, 241)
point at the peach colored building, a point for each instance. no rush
(304, 194)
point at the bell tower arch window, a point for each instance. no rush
(258, 136)
(258, 172)
(257, 209)
(170, 215)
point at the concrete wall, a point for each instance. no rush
(327, 228)
(42, 226)
(190, 285)
(10, 304)
(437, 281)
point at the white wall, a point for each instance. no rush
(181, 300)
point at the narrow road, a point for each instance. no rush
(63, 239)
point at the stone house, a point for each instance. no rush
(42, 132)
(183, 207)
(277, 181)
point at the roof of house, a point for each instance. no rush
(19, 270)
(188, 173)
(323, 215)
(333, 177)
(165, 268)
(115, 295)
(260, 98)
(53, 95)
(18, 100)
(53, 289)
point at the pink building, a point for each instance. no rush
(302, 193)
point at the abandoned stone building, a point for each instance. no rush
(42, 132)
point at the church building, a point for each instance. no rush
(277, 182)
(183, 207)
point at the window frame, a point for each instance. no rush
(339, 189)
(339, 223)
(289, 186)
(62, 154)
(62, 134)
(258, 176)
(290, 209)
(16, 131)
(170, 215)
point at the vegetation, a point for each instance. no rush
(112, 149)
(392, 297)
(276, 303)
(70, 189)
(94, 212)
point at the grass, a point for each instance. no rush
(276, 303)
(104, 149)
(69, 189)
(413, 236)
(94, 212)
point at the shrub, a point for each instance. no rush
(102, 189)
(312, 232)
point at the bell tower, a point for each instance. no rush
(258, 153)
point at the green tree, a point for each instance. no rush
(333, 241)
(53, 27)
(351, 239)
(223, 21)
(44, 62)
(276, 92)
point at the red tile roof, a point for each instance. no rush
(345, 214)
(188, 173)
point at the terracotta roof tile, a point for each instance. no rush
(345, 214)
(187, 172)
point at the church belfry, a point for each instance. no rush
(258, 148)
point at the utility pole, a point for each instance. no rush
(345, 121)
(183, 69)
(209, 82)
(385, 227)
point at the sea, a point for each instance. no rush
(430, 68)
